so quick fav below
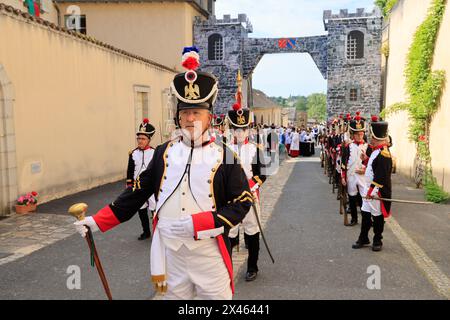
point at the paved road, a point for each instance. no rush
(312, 248)
(314, 255)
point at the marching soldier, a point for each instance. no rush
(253, 161)
(138, 162)
(378, 184)
(200, 195)
(353, 169)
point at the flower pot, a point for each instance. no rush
(25, 208)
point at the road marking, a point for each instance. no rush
(437, 278)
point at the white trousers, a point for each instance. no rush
(197, 274)
(372, 206)
(355, 182)
(249, 223)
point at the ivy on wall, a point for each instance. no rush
(424, 87)
(386, 6)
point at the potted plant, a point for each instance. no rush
(27, 203)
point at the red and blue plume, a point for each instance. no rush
(374, 118)
(191, 58)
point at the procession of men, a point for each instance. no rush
(203, 186)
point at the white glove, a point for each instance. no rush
(87, 221)
(254, 188)
(183, 228)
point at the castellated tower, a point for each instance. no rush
(354, 61)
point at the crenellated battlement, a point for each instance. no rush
(227, 20)
(344, 14)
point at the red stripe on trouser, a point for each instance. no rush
(227, 259)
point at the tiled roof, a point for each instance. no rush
(260, 100)
(18, 13)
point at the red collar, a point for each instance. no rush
(146, 148)
(358, 143)
(379, 147)
(209, 142)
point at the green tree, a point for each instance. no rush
(317, 106)
(300, 105)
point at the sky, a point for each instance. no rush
(288, 73)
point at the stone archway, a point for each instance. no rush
(8, 166)
(347, 67)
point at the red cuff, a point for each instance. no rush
(369, 192)
(202, 221)
(251, 183)
(105, 219)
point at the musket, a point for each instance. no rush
(255, 210)
(399, 200)
(78, 211)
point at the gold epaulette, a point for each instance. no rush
(385, 152)
(130, 152)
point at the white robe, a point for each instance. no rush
(295, 145)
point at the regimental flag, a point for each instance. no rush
(286, 43)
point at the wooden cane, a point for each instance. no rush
(79, 211)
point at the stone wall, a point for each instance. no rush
(327, 51)
(344, 74)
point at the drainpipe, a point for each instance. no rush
(58, 13)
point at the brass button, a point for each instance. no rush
(213, 207)
(210, 195)
(184, 193)
(209, 181)
(182, 209)
(167, 156)
(160, 190)
(167, 164)
(171, 144)
(165, 177)
(213, 169)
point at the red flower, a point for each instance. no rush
(34, 193)
(422, 138)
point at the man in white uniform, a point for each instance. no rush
(138, 161)
(201, 192)
(353, 169)
(253, 161)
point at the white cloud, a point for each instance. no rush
(285, 74)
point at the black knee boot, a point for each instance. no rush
(253, 254)
(359, 198)
(143, 216)
(353, 203)
(366, 224)
(378, 228)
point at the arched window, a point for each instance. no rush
(215, 47)
(355, 45)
